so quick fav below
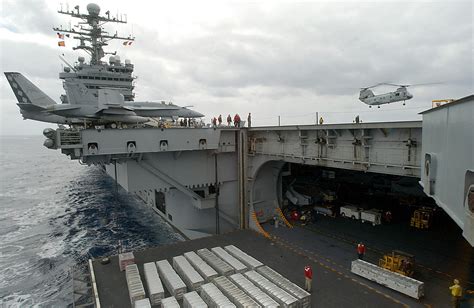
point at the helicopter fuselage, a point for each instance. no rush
(368, 97)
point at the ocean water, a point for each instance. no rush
(55, 214)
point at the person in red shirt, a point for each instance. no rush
(237, 120)
(361, 250)
(308, 275)
(295, 216)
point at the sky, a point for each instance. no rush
(291, 59)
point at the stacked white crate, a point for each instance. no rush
(143, 303)
(193, 300)
(215, 262)
(232, 292)
(214, 297)
(281, 296)
(155, 287)
(172, 281)
(134, 283)
(169, 302)
(185, 270)
(238, 266)
(303, 296)
(125, 259)
(254, 292)
(207, 272)
(246, 259)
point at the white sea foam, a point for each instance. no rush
(51, 249)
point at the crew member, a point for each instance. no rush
(303, 219)
(249, 120)
(219, 119)
(295, 216)
(321, 121)
(361, 250)
(456, 293)
(229, 120)
(214, 122)
(388, 216)
(237, 120)
(308, 275)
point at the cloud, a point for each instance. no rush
(284, 58)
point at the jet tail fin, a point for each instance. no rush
(26, 92)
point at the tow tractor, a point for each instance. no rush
(422, 218)
(399, 262)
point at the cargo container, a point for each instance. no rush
(304, 298)
(284, 298)
(253, 291)
(169, 302)
(193, 300)
(243, 257)
(234, 293)
(214, 298)
(190, 276)
(134, 283)
(143, 303)
(125, 259)
(155, 288)
(238, 266)
(174, 284)
(215, 262)
(204, 269)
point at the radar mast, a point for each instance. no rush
(90, 33)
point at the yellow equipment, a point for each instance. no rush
(422, 218)
(440, 102)
(399, 262)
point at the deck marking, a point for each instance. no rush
(350, 241)
(281, 242)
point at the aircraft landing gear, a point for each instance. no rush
(378, 106)
(404, 103)
(370, 106)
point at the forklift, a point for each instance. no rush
(422, 218)
(399, 262)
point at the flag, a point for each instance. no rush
(67, 35)
(60, 36)
(130, 43)
(125, 43)
(61, 44)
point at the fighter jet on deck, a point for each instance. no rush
(106, 106)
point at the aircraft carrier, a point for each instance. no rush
(234, 185)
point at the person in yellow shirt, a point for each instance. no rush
(456, 293)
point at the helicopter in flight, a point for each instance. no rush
(401, 94)
(368, 97)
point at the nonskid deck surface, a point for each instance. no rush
(332, 243)
(330, 288)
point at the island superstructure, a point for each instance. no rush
(96, 92)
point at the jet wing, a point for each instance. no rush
(146, 106)
(62, 109)
(116, 111)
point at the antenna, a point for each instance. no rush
(94, 35)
